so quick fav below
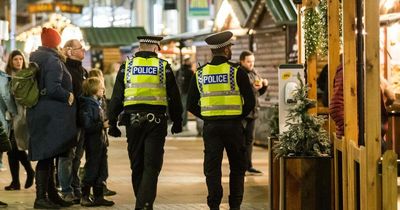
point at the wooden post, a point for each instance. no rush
(312, 81)
(299, 36)
(333, 48)
(333, 63)
(350, 93)
(389, 176)
(372, 107)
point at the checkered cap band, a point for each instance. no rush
(150, 41)
(216, 46)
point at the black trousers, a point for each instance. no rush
(228, 135)
(96, 162)
(146, 151)
(14, 157)
(250, 133)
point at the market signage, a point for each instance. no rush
(199, 9)
(52, 7)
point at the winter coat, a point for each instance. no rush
(336, 106)
(257, 93)
(52, 122)
(20, 126)
(7, 103)
(91, 117)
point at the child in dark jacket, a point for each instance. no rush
(93, 121)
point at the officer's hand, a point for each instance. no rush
(114, 131)
(176, 128)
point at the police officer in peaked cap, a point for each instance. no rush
(145, 91)
(222, 96)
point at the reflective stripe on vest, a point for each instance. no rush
(145, 81)
(219, 92)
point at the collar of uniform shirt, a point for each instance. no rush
(218, 60)
(145, 54)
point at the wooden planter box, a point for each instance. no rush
(306, 183)
(273, 176)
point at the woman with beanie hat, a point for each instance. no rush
(18, 133)
(52, 121)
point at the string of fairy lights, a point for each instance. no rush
(315, 28)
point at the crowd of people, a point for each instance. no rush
(76, 112)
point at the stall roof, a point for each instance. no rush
(243, 9)
(283, 11)
(112, 37)
(195, 36)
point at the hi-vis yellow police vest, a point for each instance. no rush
(219, 92)
(145, 81)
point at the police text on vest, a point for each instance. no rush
(144, 70)
(215, 79)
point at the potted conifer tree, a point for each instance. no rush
(305, 160)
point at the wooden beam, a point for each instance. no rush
(340, 146)
(312, 81)
(333, 63)
(300, 44)
(372, 106)
(389, 176)
(333, 48)
(349, 72)
(350, 94)
(351, 175)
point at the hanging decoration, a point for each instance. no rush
(323, 10)
(312, 31)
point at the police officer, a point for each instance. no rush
(222, 96)
(144, 89)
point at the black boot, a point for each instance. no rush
(41, 201)
(23, 158)
(85, 199)
(14, 169)
(53, 193)
(99, 197)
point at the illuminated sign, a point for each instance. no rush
(52, 7)
(36, 8)
(199, 8)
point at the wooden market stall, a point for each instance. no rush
(364, 177)
(358, 182)
(105, 43)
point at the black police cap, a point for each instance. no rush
(150, 39)
(219, 40)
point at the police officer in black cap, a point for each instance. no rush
(145, 89)
(222, 96)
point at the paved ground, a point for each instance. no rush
(181, 183)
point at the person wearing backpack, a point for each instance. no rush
(19, 132)
(52, 121)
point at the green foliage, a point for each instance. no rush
(305, 135)
(312, 31)
(323, 9)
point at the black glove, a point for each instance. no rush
(114, 131)
(176, 128)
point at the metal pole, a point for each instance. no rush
(13, 21)
(132, 23)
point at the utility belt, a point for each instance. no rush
(138, 118)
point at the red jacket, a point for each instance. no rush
(336, 106)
